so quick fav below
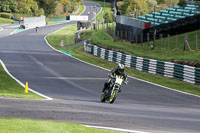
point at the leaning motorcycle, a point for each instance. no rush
(111, 92)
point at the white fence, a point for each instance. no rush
(32, 22)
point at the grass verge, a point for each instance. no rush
(10, 88)
(191, 38)
(15, 125)
(52, 23)
(164, 81)
(60, 37)
(5, 20)
(142, 51)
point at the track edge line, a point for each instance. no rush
(115, 129)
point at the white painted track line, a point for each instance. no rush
(115, 129)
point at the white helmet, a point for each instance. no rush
(120, 68)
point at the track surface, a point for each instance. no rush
(76, 86)
(7, 29)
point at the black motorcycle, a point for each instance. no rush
(111, 92)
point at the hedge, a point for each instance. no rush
(6, 15)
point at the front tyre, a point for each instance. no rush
(113, 96)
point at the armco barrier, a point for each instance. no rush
(167, 69)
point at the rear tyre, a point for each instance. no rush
(103, 98)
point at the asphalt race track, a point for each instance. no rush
(76, 86)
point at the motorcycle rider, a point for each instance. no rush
(36, 28)
(116, 71)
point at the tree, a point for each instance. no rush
(108, 18)
(124, 6)
(66, 4)
(133, 5)
(38, 7)
(29, 7)
(48, 6)
(167, 1)
(8, 6)
(152, 3)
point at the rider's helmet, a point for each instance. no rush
(120, 68)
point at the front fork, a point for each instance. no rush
(113, 88)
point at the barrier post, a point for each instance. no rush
(97, 25)
(117, 34)
(176, 41)
(154, 40)
(168, 41)
(107, 27)
(136, 38)
(141, 39)
(126, 35)
(114, 34)
(161, 44)
(121, 35)
(196, 41)
(148, 38)
(131, 36)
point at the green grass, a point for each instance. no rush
(101, 14)
(6, 20)
(51, 22)
(180, 43)
(142, 51)
(167, 82)
(14, 125)
(10, 88)
(60, 35)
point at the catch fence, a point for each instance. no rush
(187, 41)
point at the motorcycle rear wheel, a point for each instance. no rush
(103, 98)
(104, 95)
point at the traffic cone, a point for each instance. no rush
(26, 88)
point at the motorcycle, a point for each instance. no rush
(111, 92)
(37, 29)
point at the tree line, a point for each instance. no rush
(127, 6)
(38, 7)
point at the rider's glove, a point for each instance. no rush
(110, 75)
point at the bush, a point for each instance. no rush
(108, 18)
(182, 3)
(6, 15)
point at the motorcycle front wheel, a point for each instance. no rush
(113, 96)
